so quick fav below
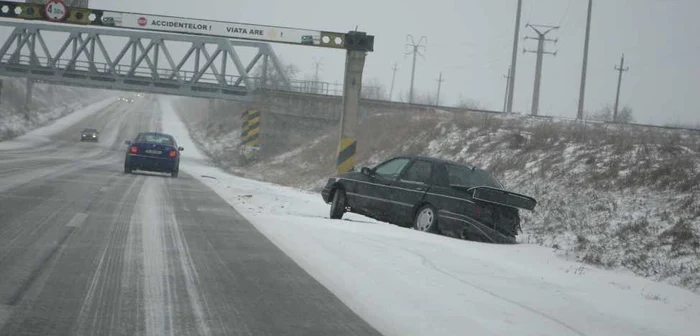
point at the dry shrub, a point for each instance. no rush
(543, 136)
(606, 176)
(515, 140)
(674, 172)
(682, 237)
(502, 164)
(636, 228)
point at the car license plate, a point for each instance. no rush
(155, 152)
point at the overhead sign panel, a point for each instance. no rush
(217, 28)
(170, 24)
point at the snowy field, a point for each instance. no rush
(405, 282)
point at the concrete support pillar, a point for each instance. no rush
(28, 96)
(354, 64)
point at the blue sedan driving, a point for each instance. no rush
(155, 152)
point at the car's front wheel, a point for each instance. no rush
(338, 205)
(426, 219)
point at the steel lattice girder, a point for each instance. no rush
(210, 67)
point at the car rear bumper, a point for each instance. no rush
(155, 164)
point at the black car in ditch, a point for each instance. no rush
(431, 195)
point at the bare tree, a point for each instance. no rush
(274, 77)
(423, 97)
(604, 114)
(625, 115)
(374, 89)
(469, 104)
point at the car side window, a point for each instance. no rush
(419, 171)
(391, 169)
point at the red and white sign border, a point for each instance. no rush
(55, 3)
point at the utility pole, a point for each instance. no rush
(505, 100)
(514, 59)
(439, 80)
(393, 79)
(582, 92)
(317, 80)
(415, 50)
(620, 69)
(541, 39)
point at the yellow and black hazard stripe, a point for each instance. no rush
(346, 155)
(250, 129)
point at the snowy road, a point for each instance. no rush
(88, 250)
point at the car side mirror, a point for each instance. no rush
(127, 142)
(180, 149)
(367, 171)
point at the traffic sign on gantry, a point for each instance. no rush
(356, 43)
(57, 11)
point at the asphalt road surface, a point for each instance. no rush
(88, 250)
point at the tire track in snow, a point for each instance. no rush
(158, 308)
(106, 287)
(191, 277)
(160, 227)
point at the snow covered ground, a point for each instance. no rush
(41, 135)
(405, 282)
(49, 103)
(612, 196)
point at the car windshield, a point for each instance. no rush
(155, 138)
(466, 176)
(90, 130)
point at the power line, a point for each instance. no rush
(415, 50)
(541, 39)
(566, 13)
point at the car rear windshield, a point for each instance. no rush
(155, 138)
(465, 176)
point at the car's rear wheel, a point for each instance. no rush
(426, 219)
(338, 205)
(127, 169)
(174, 173)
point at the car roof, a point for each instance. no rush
(155, 133)
(438, 160)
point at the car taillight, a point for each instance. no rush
(172, 153)
(134, 150)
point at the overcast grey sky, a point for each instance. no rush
(470, 41)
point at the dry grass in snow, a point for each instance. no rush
(614, 196)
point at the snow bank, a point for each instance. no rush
(405, 282)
